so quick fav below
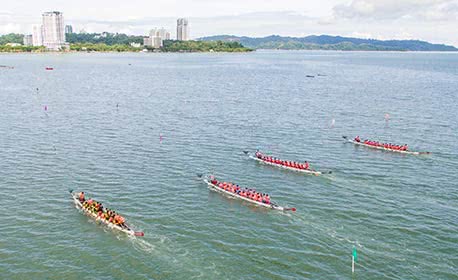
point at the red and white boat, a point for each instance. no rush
(271, 205)
(385, 149)
(302, 170)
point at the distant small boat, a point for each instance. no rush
(310, 76)
(49, 68)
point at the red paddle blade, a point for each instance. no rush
(293, 209)
(139, 233)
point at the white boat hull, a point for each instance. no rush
(385, 149)
(306, 171)
(218, 189)
(79, 206)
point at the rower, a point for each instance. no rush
(306, 165)
(257, 154)
(357, 139)
(81, 197)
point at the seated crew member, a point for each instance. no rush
(357, 139)
(81, 197)
(258, 154)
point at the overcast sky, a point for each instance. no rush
(431, 20)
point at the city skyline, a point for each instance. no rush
(426, 20)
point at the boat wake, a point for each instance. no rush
(142, 245)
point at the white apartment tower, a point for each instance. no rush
(156, 38)
(53, 30)
(37, 35)
(182, 29)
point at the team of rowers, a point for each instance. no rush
(236, 189)
(101, 212)
(382, 145)
(286, 163)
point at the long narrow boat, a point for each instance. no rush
(385, 149)
(126, 230)
(272, 205)
(306, 171)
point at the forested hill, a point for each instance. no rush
(326, 42)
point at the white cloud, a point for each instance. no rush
(430, 20)
(10, 28)
(398, 9)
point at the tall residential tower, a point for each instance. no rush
(53, 30)
(182, 29)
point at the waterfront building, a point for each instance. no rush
(37, 35)
(182, 29)
(157, 42)
(53, 30)
(156, 38)
(68, 29)
(28, 40)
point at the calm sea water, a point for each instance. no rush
(101, 134)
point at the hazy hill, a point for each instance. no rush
(326, 42)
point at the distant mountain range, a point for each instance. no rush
(326, 42)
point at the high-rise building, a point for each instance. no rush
(37, 35)
(157, 42)
(156, 37)
(68, 29)
(28, 40)
(182, 29)
(53, 30)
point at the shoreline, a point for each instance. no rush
(208, 52)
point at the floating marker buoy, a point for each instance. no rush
(46, 107)
(49, 68)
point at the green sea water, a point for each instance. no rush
(132, 130)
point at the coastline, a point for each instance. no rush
(250, 51)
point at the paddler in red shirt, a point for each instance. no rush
(306, 165)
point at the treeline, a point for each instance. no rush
(202, 46)
(100, 47)
(11, 38)
(109, 39)
(5, 48)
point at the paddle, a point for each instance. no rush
(71, 191)
(345, 137)
(199, 175)
(139, 233)
(246, 152)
